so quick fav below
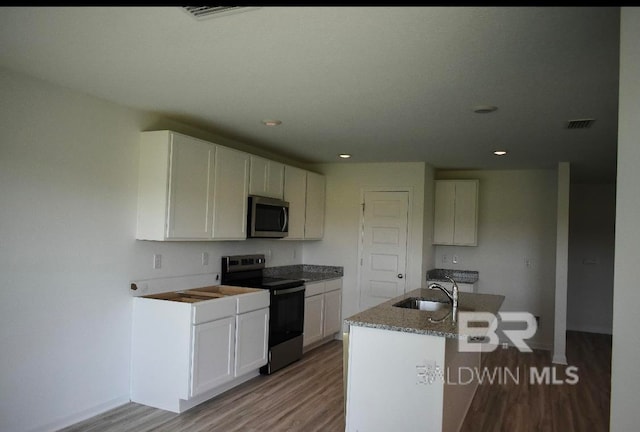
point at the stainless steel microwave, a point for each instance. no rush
(267, 217)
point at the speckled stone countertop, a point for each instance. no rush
(388, 317)
(307, 272)
(460, 276)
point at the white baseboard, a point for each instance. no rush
(82, 415)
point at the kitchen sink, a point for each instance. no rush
(420, 303)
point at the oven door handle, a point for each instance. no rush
(288, 290)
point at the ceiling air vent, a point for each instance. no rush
(202, 12)
(580, 124)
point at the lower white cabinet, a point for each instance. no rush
(213, 354)
(252, 339)
(313, 325)
(186, 353)
(322, 310)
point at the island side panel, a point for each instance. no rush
(387, 385)
(461, 385)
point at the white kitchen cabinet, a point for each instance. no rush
(456, 212)
(313, 323)
(295, 192)
(213, 354)
(175, 188)
(305, 192)
(252, 337)
(266, 178)
(230, 194)
(189, 189)
(462, 287)
(323, 310)
(186, 353)
(314, 214)
(332, 312)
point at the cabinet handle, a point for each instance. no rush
(400, 276)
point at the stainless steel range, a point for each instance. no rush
(286, 311)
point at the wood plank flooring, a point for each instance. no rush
(305, 396)
(530, 407)
(308, 396)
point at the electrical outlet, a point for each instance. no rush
(455, 259)
(205, 258)
(157, 261)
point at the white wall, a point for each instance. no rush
(343, 217)
(68, 185)
(625, 379)
(591, 252)
(516, 223)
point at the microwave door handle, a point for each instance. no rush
(286, 218)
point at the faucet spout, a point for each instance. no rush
(453, 295)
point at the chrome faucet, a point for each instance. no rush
(453, 295)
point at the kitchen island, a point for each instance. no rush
(403, 368)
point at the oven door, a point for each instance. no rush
(286, 314)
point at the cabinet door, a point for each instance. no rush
(258, 176)
(252, 334)
(314, 214)
(313, 325)
(466, 213)
(190, 188)
(213, 354)
(443, 220)
(332, 312)
(266, 178)
(295, 192)
(275, 180)
(230, 194)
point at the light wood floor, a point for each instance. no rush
(304, 396)
(308, 396)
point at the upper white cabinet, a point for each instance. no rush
(314, 214)
(305, 192)
(267, 178)
(456, 212)
(230, 194)
(175, 187)
(189, 189)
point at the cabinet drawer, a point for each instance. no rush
(214, 309)
(253, 301)
(333, 284)
(313, 288)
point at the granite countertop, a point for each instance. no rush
(306, 272)
(460, 276)
(387, 317)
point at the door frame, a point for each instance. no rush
(409, 245)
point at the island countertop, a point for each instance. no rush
(385, 316)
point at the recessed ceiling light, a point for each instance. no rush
(271, 122)
(500, 152)
(344, 155)
(484, 109)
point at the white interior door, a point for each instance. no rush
(384, 247)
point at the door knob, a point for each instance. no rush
(400, 276)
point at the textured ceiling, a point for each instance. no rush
(385, 84)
